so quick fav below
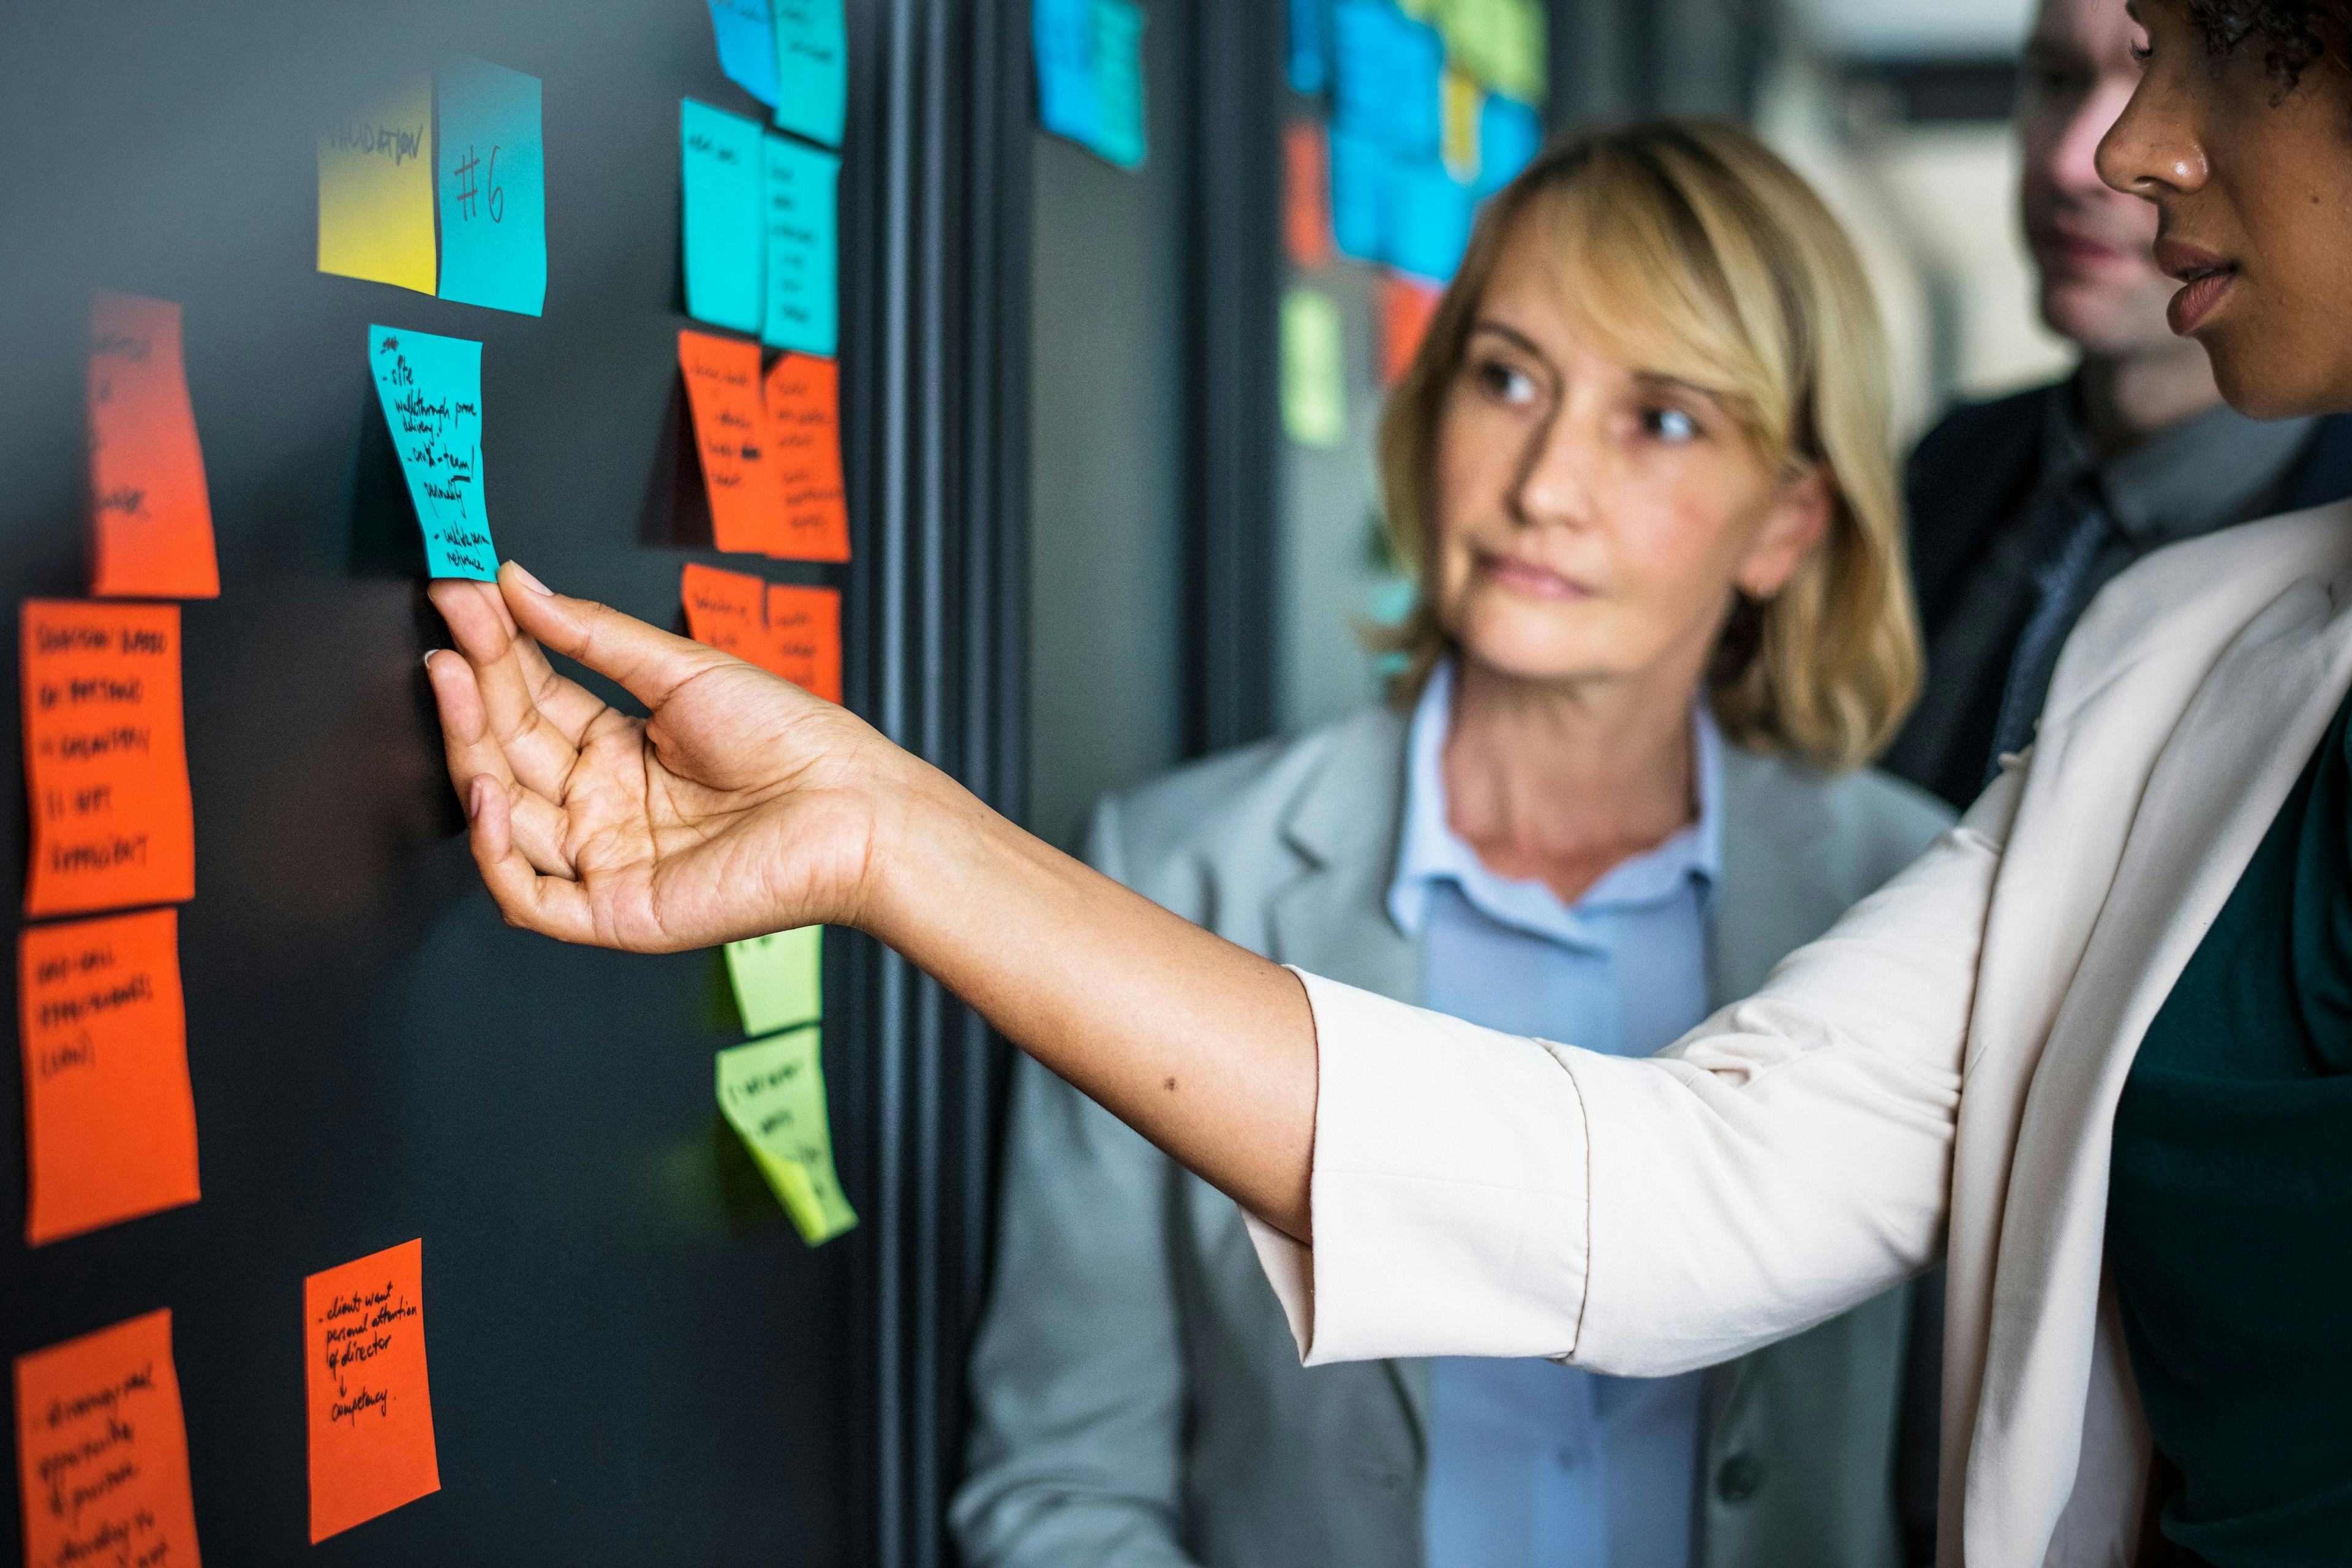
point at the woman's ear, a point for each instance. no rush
(1792, 532)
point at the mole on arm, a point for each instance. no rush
(1169, 1086)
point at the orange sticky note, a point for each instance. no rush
(150, 517)
(731, 431)
(106, 758)
(102, 1450)
(370, 1410)
(726, 610)
(1305, 193)
(803, 403)
(805, 630)
(1407, 307)
(109, 1121)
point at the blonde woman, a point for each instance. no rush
(1642, 465)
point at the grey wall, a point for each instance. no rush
(1106, 448)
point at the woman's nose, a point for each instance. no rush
(2152, 148)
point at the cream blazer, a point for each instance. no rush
(1937, 1076)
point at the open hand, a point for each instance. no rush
(740, 804)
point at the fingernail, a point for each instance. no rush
(529, 582)
(428, 658)
(477, 796)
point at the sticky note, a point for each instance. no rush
(1386, 74)
(771, 1092)
(804, 638)
(1062, 42)
(1407, 307)
(1314, 381)
(375, 190)
(371, 1407)
(1509, 136)
(746, 46)
(431, 390)
(1119, 135)
(812, 69)
(778, 979)
(720, 212)
(1459, 102)
(726, 610)
(493, 187)
(109, 1118)
(152, 516)
(1427, 226)
(730, 435)
(1305, 193)
(803, 397)
(102, 1450)
(1308, 61)
(1500, 42)
(1360, 200)
(803, 241)
(106, 757)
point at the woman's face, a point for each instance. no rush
(1594, 518)
(2253, 199)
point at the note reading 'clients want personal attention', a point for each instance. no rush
(370, 1405)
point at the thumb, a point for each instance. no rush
(650, 663)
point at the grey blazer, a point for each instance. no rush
(1136, 1395)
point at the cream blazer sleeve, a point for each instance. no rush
(1480, 1193)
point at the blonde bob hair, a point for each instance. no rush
(1693, 252)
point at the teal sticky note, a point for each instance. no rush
(431, 389)
(1119, 134)
(1062, 42)
(719, 207)
(803, 247)
(778, 979)
(492, 184)
(746, 46)
(812, 69)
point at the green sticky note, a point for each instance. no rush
(721, 164)
(493, 188)
(777, 979)
(771, 1092)
(431, 390)
(1314, 380)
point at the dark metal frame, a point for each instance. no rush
(934, 369)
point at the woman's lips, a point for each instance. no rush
(1525, 578)
(2205, 280)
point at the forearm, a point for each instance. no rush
(1203, 1048)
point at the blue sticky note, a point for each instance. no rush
(812, 69)
(1359, 196)
(431, 389)
(1062, 39)
(492, 183)
(746, 46)
(1386, 70)
(1309, 60)
(1119, 83)
(802, 244)
(1509, 136)
(721, 179)
(1427, 220)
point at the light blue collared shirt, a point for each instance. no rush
(1533, 1465)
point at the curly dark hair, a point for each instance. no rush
(2293, 32)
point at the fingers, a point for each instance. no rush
(650, 663)
(512, 674)
(474, 753)
(548, 905)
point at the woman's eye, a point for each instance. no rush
(2140, 51)
(1669, 424)
(1503, 381)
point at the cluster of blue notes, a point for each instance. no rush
(812, 69)
(431, 390)
(746, 46)
(801, 239)
(1509, 136)
(1425, 220)
(1387, 76)
(1090, 76)
(493, 187)
(1360, 180)
(722, 179)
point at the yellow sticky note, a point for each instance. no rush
(1460, 101)
(771, 1092)
(777, 979)
(375, 190)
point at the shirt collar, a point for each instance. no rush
(2209, 471)
(1429, 853)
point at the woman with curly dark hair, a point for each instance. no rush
(2094, 1048)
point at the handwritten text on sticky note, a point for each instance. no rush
(376, 189)
(106, 758)
(102, 1450)
(771, 1092)
(493, 187)
(730, 436)
(371, 1407)
(151, 516)
(803, 404)
(802, 238)
(812, 69)
(721, 171)
(745, 33)
(804, 638)
(777, 979)
(725, 610)
(431, 389)
(110, 1119)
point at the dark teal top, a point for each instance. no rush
(2229, 1216)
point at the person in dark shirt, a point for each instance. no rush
(2022, 508)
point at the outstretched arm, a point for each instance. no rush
(740, 804)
